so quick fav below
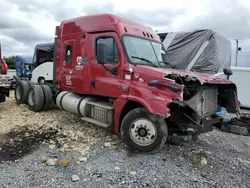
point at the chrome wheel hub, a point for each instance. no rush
(143, 132)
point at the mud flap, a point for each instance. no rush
(5, 91)
(2, 98)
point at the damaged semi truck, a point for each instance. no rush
(110, 71)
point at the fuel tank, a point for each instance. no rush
(74, 103)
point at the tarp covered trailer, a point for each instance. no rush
(204, 51)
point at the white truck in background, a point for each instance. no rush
(40, 70)
(42, 66)
(43, 73)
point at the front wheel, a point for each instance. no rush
(144, 132)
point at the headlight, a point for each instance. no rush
(1, 82)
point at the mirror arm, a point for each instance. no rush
(110, 70)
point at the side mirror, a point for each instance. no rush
(228, 72)
(101, 55)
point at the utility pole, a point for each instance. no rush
(237, 48)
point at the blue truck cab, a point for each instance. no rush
(24, 66)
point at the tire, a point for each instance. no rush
(133, 134)
(31, 83)
(48, 97)
(35, 98)
(21, 91)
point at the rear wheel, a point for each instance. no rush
(21, 91)
(35, 98)
(144, 132)
(48, 97)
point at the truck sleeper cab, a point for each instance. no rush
(110, 71)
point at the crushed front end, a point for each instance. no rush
(202, 98)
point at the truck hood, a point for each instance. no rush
(161, 73)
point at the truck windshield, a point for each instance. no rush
(147, 52)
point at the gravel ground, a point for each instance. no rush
(100, 159)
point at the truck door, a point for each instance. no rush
(67, 54)
(103, 82)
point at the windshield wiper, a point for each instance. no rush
(167, 63)
(143, 59)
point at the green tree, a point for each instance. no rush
(10, 62)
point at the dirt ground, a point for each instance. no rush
(45, 149)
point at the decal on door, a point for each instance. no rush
(79, 65)
(68, 80)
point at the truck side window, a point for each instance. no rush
(112, 49)
(68, 54)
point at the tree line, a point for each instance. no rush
(10, 62)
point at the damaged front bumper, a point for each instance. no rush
(196, 114)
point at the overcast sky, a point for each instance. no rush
(24, 23)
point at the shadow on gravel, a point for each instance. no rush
(22, 141)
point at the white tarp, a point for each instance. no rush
(199, 51)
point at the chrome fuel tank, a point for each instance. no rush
(73, 103)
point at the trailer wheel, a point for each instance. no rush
(35, 98)
(21, 91)
(144, 132)
(48, 97)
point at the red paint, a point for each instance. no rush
(119, 104)
(4, 67)
(81, 33)
(202, 77)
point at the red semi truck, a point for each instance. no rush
(110, 71)
(4, 79)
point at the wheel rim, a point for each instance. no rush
(18, 92)
(42, 81)
(143, 132)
